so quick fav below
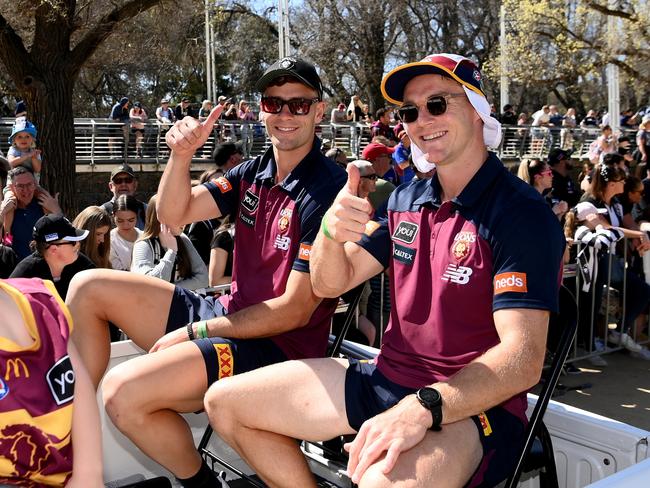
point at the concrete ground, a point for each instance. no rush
(620, 390)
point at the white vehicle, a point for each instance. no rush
(590, 450)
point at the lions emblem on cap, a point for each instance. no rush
(287, 63)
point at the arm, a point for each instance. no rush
(596, 221)
(199, 277)
(286, 312)
(15, 161)
(338, 264)
(512, 366)
(86, 432)
(143, 261)
(179, 203)
(217, 268)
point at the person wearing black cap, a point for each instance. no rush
(277, 202)
(444, 402)
(564, 189)
(124, 182)
(56, 255)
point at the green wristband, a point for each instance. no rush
(202, 329)
(323, 227)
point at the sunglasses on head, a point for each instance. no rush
(297, 106)
(436, 105)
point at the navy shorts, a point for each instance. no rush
(223, 357)
(368, 393)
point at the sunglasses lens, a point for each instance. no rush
(271, 105)
(299, 106)
(437, 105)
(408, 114)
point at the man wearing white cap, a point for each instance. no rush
(474, 257)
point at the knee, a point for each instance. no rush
(217, 406)
(84, 285)
(121, 399)
(375, 478)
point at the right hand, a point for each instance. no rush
(187, 135)
(167, 238)
(348, 215)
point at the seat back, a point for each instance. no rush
(562, 325)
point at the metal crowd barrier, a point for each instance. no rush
(103, 141)
(599, 324)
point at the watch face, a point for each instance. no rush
(430, 395)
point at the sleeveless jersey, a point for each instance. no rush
(36, 390)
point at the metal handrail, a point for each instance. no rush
(100, 141)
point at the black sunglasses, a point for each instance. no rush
(297, 106)
(436, 105)
(371, 177)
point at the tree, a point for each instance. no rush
(564, 46)
(64, 35)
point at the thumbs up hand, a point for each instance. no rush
(347, 217)
(187, 135)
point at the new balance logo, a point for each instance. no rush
(457, 274)
(282, 243)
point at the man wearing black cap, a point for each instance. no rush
(56, 255)
(124, 182)
(277, 202)
(564, 188)
(474, 257)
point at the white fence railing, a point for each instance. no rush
(103, 141)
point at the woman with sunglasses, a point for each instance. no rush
(56, 256)
(601, 209)
(539, 175)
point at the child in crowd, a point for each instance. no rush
(22, 152)
(49, 434)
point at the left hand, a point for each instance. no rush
(394, 431)
(49, 203)
(174, 337)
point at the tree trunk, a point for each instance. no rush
(48, 94)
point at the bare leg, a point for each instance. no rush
(443, 459)
(142, 396)
(261, 413)
(138, 304)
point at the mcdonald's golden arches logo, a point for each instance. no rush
(16, 365)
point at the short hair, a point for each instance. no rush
(19, 170)
(507, 107)
(380, 113)
(222, 153)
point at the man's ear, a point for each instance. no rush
(320, 111)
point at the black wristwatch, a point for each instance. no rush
(431, 399)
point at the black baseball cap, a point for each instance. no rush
(122, 168)
(300, 69)
(56, 227)
(557, 155)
